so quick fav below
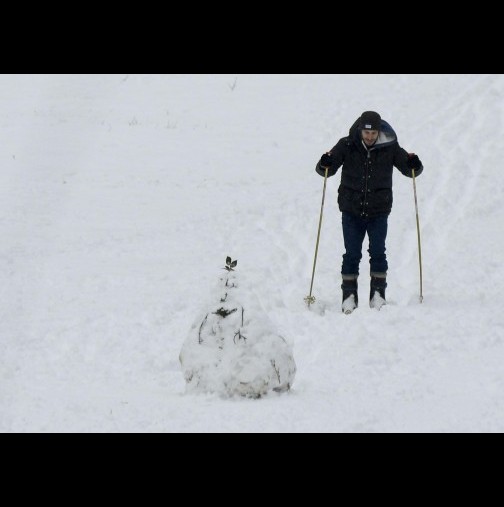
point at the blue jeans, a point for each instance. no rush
(354, 230)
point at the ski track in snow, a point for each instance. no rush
(115, 227)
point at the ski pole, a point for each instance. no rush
(418, 235)
(311, 299)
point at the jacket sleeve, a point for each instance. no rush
(401, 162)
(338, 157)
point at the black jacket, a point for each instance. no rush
(366, 176)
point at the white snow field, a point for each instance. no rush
(122, 195)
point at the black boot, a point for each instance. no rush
(377, 293)
(350, 295)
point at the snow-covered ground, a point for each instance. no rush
(123, 195)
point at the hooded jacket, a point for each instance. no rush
(366, 175)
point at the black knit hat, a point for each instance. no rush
(370, 120)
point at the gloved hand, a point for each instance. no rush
(413, 162)
(326, 160)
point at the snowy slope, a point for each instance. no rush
(122, 196)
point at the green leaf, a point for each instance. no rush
(228, 260)
(234, 263)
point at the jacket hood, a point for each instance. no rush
(386, 136)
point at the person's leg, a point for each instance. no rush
(377, 233)
(354, 230)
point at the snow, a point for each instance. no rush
(123, 194)
(233, 348)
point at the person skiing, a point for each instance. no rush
(367, 156)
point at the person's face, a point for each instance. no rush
(369, 137)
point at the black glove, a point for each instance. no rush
(414, 162)
(326, 160)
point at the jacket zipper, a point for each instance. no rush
(366, 185)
